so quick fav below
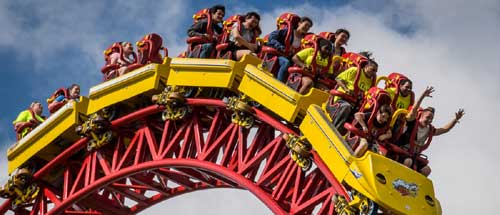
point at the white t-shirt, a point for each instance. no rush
(422, 135)
(296, 40)
(244, 32)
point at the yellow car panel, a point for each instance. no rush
(276, 96)
(220, 73)
(144, 79)
(388, 183)
(37, 142)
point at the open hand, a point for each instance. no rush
(428, 91)
(459, 114)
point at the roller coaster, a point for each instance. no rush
(187, 124)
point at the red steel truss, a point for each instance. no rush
(150, 160)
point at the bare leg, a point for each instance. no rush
(122, 70)
(408, 162)
(362, 147)
(307, 83)
(241, 53)
(426, 170)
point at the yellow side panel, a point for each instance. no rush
(218, 73)
(326, 141)
(37, 142)
(127, 86)
(275, 95)
(404, 190)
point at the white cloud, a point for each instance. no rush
(452, 46)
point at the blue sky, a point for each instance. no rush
(449, 44)
(46, 48)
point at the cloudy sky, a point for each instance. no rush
(448, 44)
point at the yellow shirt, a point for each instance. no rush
(349, 76)
(403, 102)
(25, 116)
(306, 56)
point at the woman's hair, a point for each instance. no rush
(305, 18)
(254, 14)
(385, 108)
(214, 8)
(404, 81)
(342, 30)
(124, 43)
(323, 42)
(430, 109)
(368, 55)
(72, 86)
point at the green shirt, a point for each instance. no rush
(349, 77)
(306, 56)
(25, 116)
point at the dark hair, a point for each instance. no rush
(368, 55)
(214, 8)
(342, 30)
(404, 81)
(430, 109)
(72, 86)
(385, 108)
(254, 14)
(305, 18)
(323, 42)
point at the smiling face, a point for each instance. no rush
(252, 22)
(218, 16)
(371, 70)
(304, 27)
(341, 39)
(406, 88)
(426, 118)
(383, 118)
(128, 48)
(74, 92)
(37, 108)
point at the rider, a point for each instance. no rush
(73, 94)
(378, 133)
(244, 38)
(404, 99)
(115, 58)
(61, 96)
(200, 29)
(304, 59)
(277, 40)
(420, 131)
(345, 83)
(341, 38)
(28, 119)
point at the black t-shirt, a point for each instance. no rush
(376, 124)
(404, 139)
(199, 28)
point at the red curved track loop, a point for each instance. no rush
(151, 160)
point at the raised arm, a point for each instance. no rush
(451, 124)
(414, 110)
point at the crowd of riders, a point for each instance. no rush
(388, 120)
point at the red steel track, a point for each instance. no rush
(150, 161)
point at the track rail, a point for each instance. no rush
(151, 161)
